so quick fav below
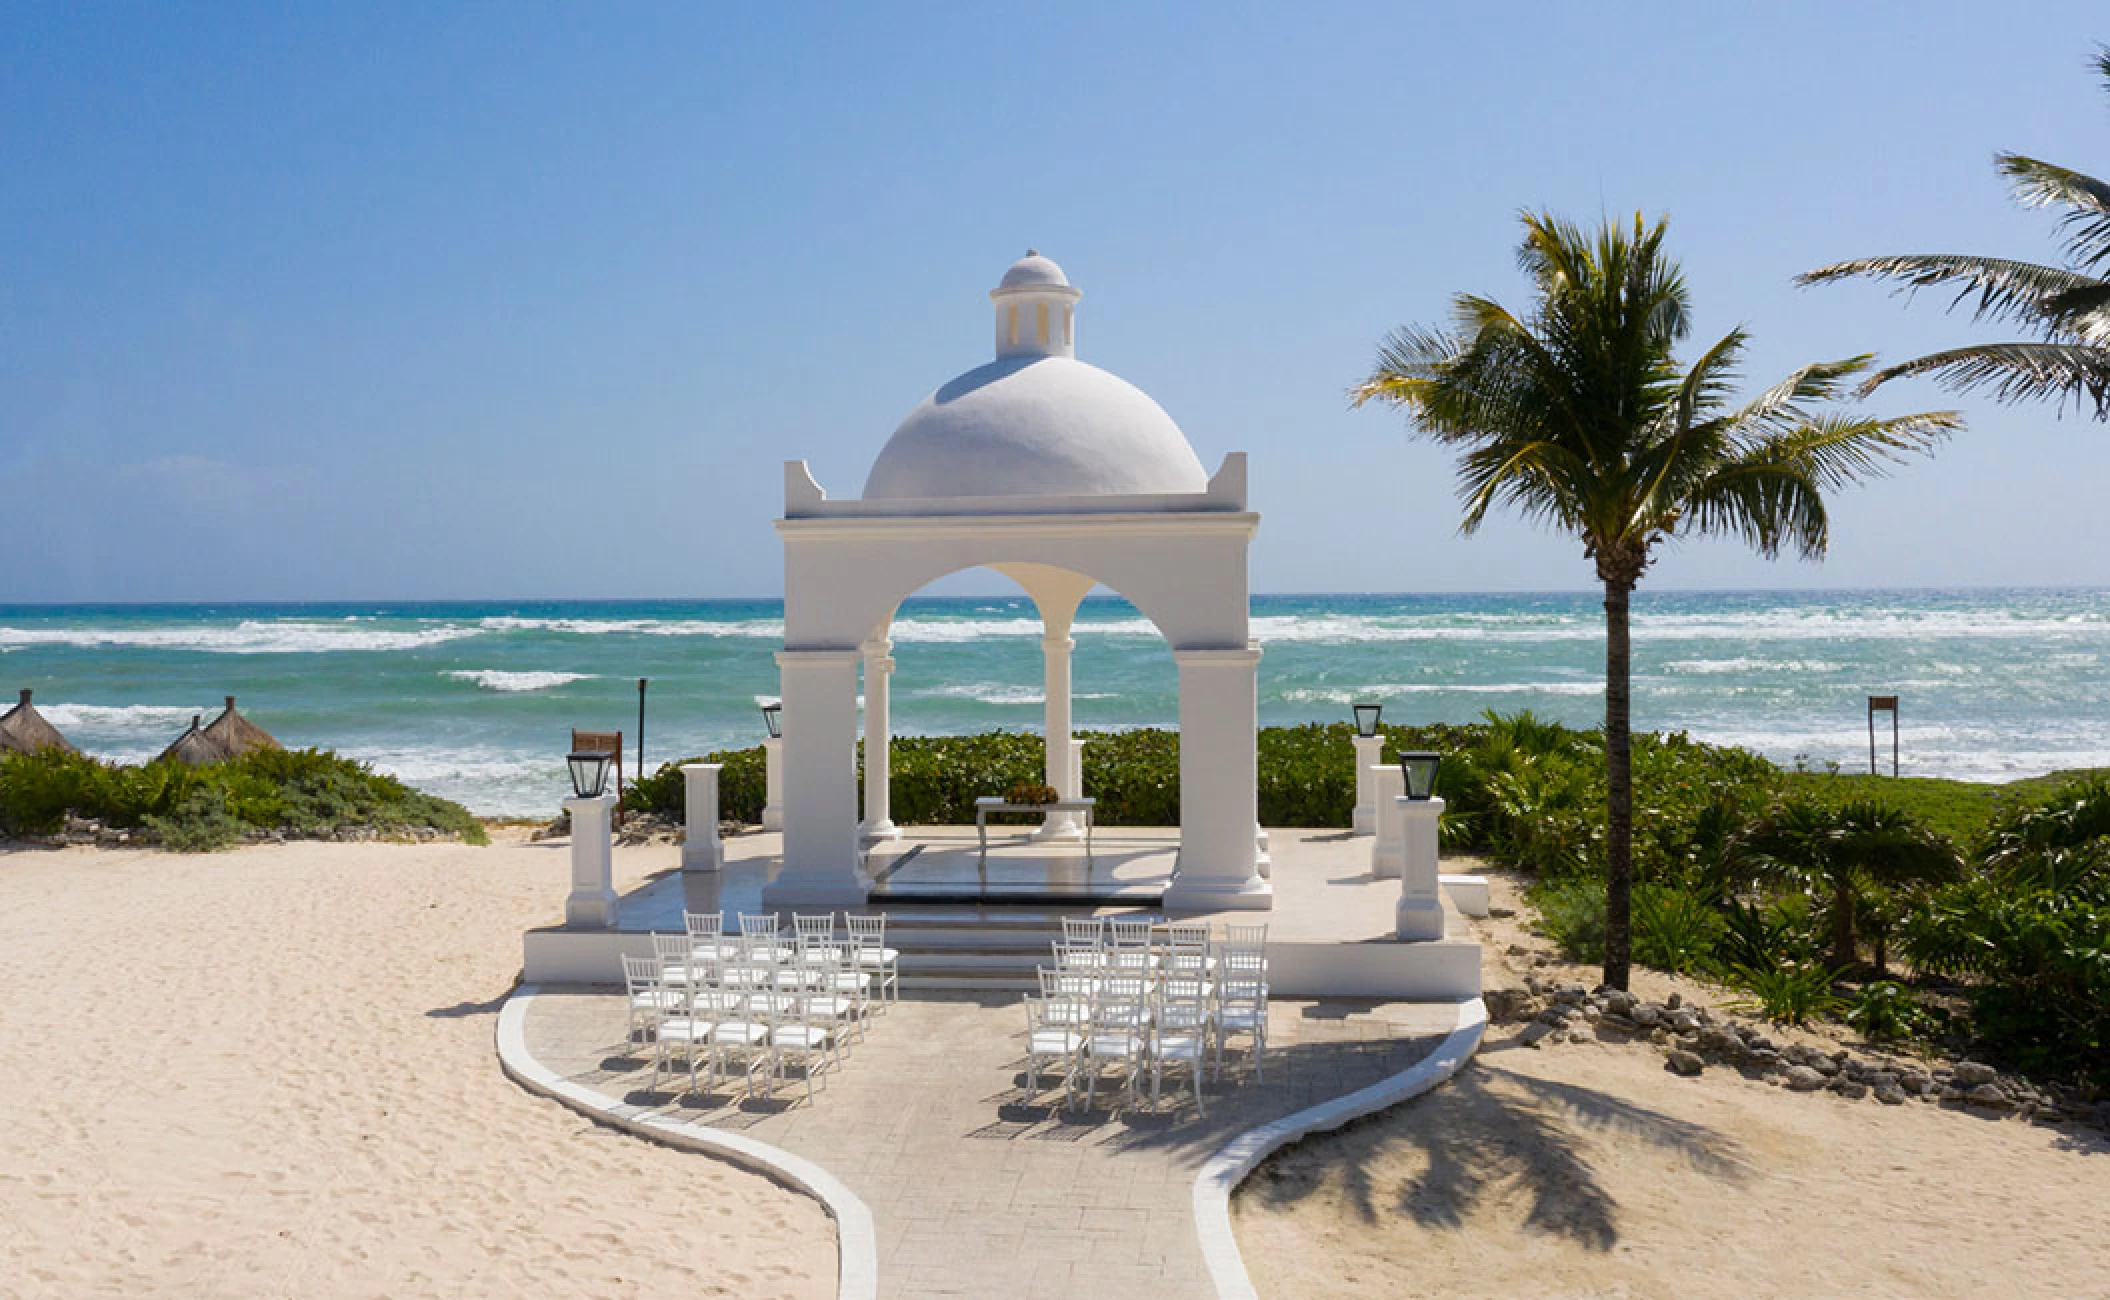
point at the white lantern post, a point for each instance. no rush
(1420, 911)
(591, 905)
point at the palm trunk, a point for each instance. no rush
(1845, 954)
(1619, 785)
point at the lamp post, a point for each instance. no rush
(592, 901)
(1419, 768)
(1369, 752)
(773, 766)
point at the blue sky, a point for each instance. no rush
(371, 301)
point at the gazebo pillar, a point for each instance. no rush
(1060, 761)
(821, 859)
(879, 805)
(1219, 784)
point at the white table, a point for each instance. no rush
(991, 803)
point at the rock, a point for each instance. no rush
(1516, 950)
(1882, 1080)
(1801, 1078)
(1972, 1074)
(1757, 1042)
(1534, 1032)
(1674, 1001)
(1849, 1088)
(1684, 1063)
(1501, 913)
(1556, 1016)
(1505, 1006)
(1570, 994)
(1619, 1002)
(1715, 1038)
(1682, 1022)
(1988, 1096)
(1646, 1013)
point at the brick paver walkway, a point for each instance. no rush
(980, 1189)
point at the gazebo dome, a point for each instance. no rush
(1036, 421)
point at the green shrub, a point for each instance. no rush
(1787, 994)
(1571, 914)
(1887, 1010)
(1674, 930)
(301, 792)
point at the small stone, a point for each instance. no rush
(1570, 994)
(1882, 1080)
(1517, 950)
(1973, 1074)
(1683, 1022)
(1534, 1032)
(1684, 1063)
(1619, 1002)
(1988, 1096)
(1617, 1024)
(1714, 1038)
(1801, 1078)
(1849, 1088)
(1646, 1013)
(1674, 1001)
(1500, 913)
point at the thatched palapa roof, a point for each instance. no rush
(24, 731)
(223, 738)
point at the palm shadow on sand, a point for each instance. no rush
(1491, 1133)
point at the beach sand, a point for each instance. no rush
(1586, 1169)
(270, 1072)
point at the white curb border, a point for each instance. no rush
(857, 1267)
(1224, 1171)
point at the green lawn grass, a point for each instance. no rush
(1957, 809)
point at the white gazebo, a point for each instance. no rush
(1060, 476)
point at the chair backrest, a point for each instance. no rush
(1235, 988)
(1246, 936)
(1129, 933)
(753, 924)
(642, 974)
(1187, 936)
(704, 925)
(1121, 1001)
(673, 950)
(866, 929)
(1083, 930)
(814, 929)
(1058, 985)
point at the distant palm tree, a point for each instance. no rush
(2067, 306)
(1848, 852)
(1580, 416)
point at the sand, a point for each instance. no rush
(270, 1072)
(1586, 1169)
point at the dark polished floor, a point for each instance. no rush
(936, 866)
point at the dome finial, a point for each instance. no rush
(1032, 252)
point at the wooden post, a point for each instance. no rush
(1879, 704)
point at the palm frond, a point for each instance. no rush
(2039, 184)
(2006, 289)
(1768, 504)
(1837, 451)
(2059, 372)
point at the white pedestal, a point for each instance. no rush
(821, 863)
(1219, 850)
(1369, 752)
(591, 905)
(701, 848)
(1420, 913)
(1388, 852)
(772, 783)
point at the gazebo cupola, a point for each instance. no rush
(1036, 310)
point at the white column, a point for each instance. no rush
(1056, 761)
(879, 805)
(591, 905)
(1369, 751)
(821, 860)
(701, 849)
(1420, 912)
(1388, 851)
(773, 782)
(1219, 725)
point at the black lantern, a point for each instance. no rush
(589, 772)
(1419, 768)
(773, 718)
(1366, 716)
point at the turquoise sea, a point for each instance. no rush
(474, 700)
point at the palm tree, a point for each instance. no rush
(2068, 307)
(1580, 416)
(1851, 851)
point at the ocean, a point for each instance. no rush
(474, 700)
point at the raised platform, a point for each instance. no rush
(963, 924)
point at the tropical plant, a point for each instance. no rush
(1886, 1009)
(2067, 307)
(1847, 851)
(2031, 934)
(1787, 993)
(1579, 415)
